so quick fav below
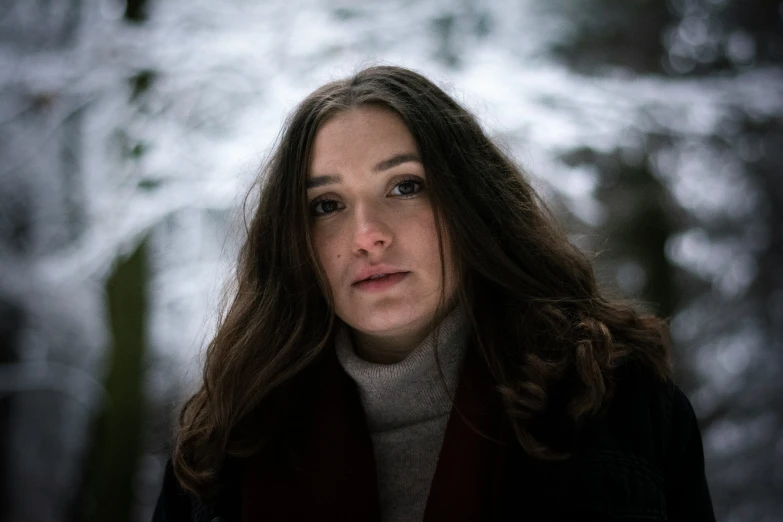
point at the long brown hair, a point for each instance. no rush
(529, 296)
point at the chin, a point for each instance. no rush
(385, 322)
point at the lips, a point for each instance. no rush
(375, 272)
(378, 276)
(381, 284)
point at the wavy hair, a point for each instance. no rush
(530, 297)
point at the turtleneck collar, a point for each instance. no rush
(410, 391)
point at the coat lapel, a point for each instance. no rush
(468, 476)
(327, 475)
(330, 474)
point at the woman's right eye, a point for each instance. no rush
(324, 207)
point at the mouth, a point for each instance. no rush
(380, 281)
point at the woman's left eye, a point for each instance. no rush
(407, 187)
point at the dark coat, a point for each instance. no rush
(640, 460)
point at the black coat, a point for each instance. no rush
(640, 461)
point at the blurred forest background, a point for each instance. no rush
(131, 130)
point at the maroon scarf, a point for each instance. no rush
(332, 476)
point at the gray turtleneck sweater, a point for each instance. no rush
(407, 410)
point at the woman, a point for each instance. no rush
(413, 338)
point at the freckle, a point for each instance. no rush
(339, 256)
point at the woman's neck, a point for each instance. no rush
(384, 350)
(395, 346)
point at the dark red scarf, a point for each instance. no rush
(332, 476)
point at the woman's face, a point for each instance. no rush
(371, 214)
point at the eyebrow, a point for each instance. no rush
(394, 161)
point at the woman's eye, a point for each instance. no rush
(407, 187)
(324, 207)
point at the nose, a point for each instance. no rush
(371, 230)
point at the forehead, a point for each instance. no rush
(360, 134)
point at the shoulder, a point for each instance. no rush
(640, 459)
(640, 401)
(176, 505)
(645, 399)
(646, 416)
(647, 441)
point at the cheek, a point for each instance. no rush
(329, 255)
(429, 249)
(422, 242)
(428, 232)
